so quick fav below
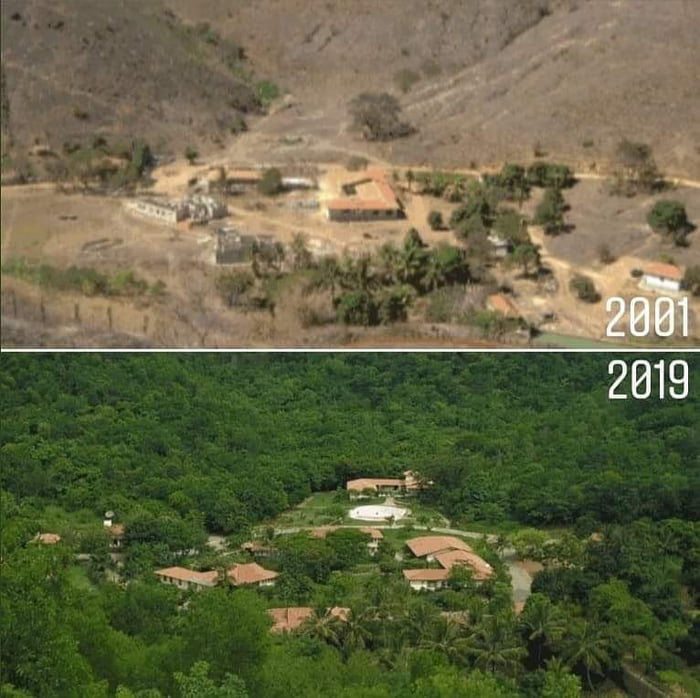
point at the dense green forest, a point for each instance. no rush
(181, 447)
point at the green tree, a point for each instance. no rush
(197, 684)
(691, 279)
(587, 645)
(271, 182)
(493, 645)
(670, 219)
(435, 220)
(584, 288)
(542, 622)
(527, 256)
(378, 116)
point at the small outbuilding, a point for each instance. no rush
(662, 277)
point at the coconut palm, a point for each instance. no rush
(588, 645)
(324, 626)
(447, 638)
(494, 645)
(542, 622)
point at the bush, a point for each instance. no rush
(378, 116)
(191, 154)
(546, 174)
(271, 183)
(435, 220)
(406, 79)
(691, 280)
(670, 219)
(605, 255)
(234, 287)
(356, 163)
(584, 287)
(267, 92)
(637, 170)
(238, 124)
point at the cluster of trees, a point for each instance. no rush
(636, 172)
(378, 117)
(670, 219)
(184, 445)
(87, 281)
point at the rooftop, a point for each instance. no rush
(666, 271)
(208, 579)
(371, 483)
(250, 573)
(428, 545)
(426, 575)
(372, 192)
(47, 538)
(323, 531)
(451, 558)
(291, 618)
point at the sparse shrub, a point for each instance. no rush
(431, 68)
(435, 220)
(357, 162)
(378, 116)
(405, 79)
(691, 279)
(267, 92)
(238, 124)
(357, 308)
(271, 183)
(584, 288)
(80, 113)
(637, 171)
(234, 287)
(605, 254)
(191, 154)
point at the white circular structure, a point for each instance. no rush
(377, 512)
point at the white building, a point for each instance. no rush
(662, 277)
(183, 578)
(164, 211)
(426, 579)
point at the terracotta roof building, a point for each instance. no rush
(251, 574)
(290, 619)
(481, 569)
(370, 198)
(426, 579)
(184, 578)
(256, 547)
(662, 277)
(378, 484)
(428, 546)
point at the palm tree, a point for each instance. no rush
(356, 633)
(494, 645)
(542, 621)
(447, 638)
(324, 626)
(588, 645)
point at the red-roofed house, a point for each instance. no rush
(428, 546)
(370, 198)
(427, 579)
(184, 578)
(380, 485)
(451, 558)
(286, 620)
(251, 574)
(662, 277)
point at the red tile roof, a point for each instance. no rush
(666, 271)
(429, 545)
(116, 530)
(372, 483)
(250, 573)
(482, 569)
(426, 575)
(382, 199)
(182, 574)
(288, 619)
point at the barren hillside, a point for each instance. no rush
(483, 80)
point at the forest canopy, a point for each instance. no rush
(185, 447)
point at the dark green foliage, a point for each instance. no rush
(549, 175)
(670, 219)
(271, 183)
(191, 154)
(637, 171)
(435, 220)
(233, 287)
(584, 288)
(691, 279)
(550, 212)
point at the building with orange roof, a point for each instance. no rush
(251, 574)
(503, 305)
(429, 546)
(662, 277)
(257, 548)
(452, 558)
(369, 198)
(380, 485)
(287, 620)
(47, 538)
(184, 578)
(427, 579)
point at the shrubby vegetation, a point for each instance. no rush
(670, 219)
(184, 445)
(87, 281)
(378, 117)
